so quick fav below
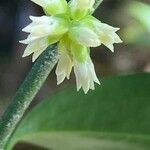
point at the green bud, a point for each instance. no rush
(79, 52)
(58, 26)
(52, 7)
(80, 8)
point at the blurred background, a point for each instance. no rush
(133, 17)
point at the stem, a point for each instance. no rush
(26, 93)
(97, 3)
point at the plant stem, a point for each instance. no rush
(97, 3)
(26, 93)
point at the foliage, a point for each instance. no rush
(113, 117)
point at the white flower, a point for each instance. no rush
(106, 33)
(85, 75)
(43, 32)
(73, 55)
(45, 26)
(75, 30)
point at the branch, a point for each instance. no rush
(26, 93)
(97, 3)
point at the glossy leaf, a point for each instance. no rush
(113, 117)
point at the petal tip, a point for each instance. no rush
(23, 42)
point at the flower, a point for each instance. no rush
(75, 30)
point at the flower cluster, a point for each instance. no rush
(72, 26)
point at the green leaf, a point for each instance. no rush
(113, 117)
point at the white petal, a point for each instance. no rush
(108, 28)
(60, 78)
(30, 39)
(64, 67)
(85, 75)
(78, 80)
(40, 2)
(41, 19)
(92, 87)
(36, 54)
(41, 26)
(29, 50)
(41, 30)
(110, 46)
(92, 72)
(82, 4)
(36, 47)
(28, 28)
(117, 39)
(45, 26)
(85, 36)
(107, 34)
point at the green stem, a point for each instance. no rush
(26, 93)
(97, 3)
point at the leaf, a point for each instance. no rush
(113, 117)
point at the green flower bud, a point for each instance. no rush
(80, 8)
(84, 36)
(80, 53)
(52, 7)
